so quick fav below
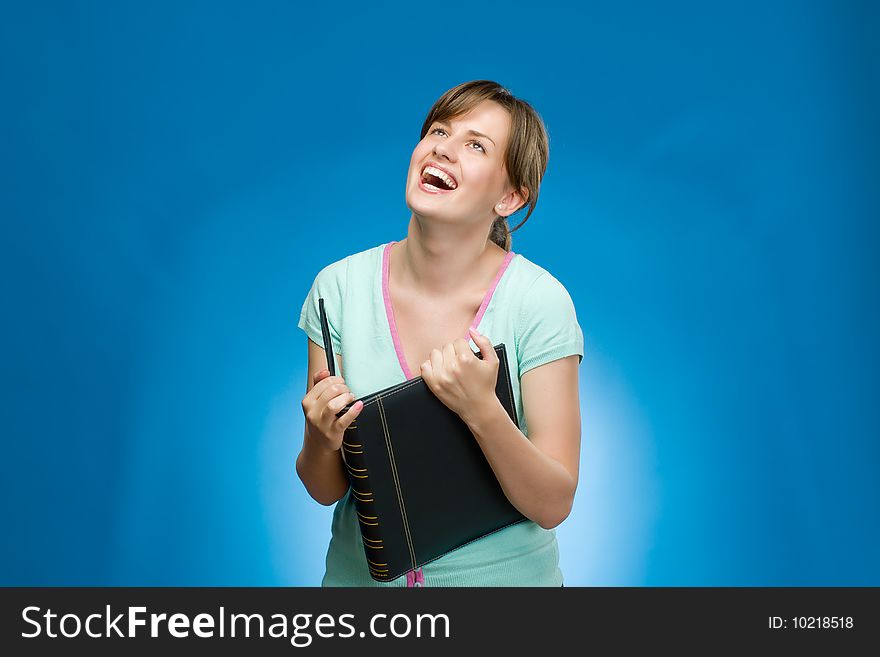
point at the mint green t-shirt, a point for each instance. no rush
(529, 311)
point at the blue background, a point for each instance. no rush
(174, 176)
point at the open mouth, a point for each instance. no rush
(436, 180)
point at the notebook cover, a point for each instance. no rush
(420, 482)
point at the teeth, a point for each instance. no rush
(434, 171)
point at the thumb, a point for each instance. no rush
(485, 345)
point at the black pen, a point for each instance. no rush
(328, 344)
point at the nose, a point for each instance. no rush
(442, 150)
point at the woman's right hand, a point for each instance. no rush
(328, 396)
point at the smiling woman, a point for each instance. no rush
(418, 301)
(520, 146)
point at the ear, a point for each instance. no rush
(511, 202)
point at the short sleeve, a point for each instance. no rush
(328, 285)
(548, 326)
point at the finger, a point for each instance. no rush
(330, 387)
(325, 383)
(323, 374)
(463, 350)
(427, 371)
(349, 416)
(340, 401)
(437, 362)
(485, 345)
(449, 356)
(321, 382)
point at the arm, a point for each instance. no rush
(538, 474)
(321, 470)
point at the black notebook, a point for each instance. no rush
(420, 482)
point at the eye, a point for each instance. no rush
(482, 148)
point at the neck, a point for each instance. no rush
(443, 260)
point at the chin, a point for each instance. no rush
(420, 203)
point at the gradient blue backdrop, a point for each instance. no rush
(175, 175)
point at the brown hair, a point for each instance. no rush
(527, 149)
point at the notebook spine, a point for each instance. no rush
(365, 504)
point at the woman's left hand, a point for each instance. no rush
(459, 379)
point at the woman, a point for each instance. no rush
(406, 309)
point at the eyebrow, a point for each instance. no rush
(470, 132)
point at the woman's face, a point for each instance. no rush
(473, 164)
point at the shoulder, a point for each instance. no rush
(332, 281)
(354, 264)
(537, 287)
(361, 258)
(547, 326)
(331, 284)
